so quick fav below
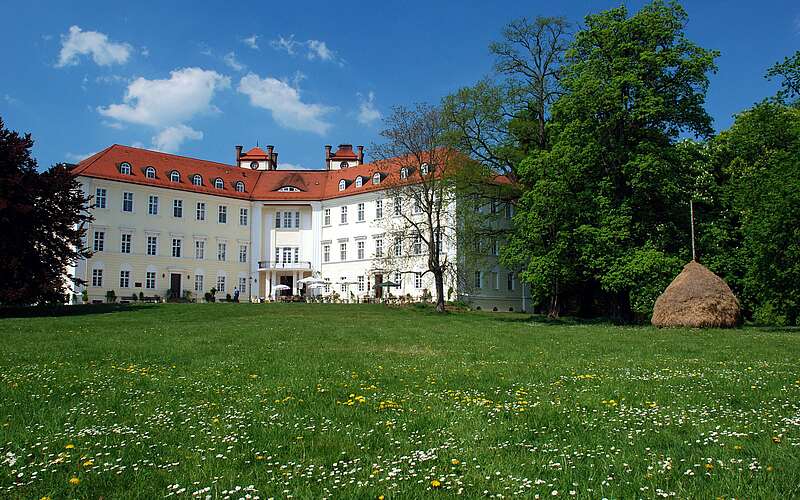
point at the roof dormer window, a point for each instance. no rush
(404, 173)
(376, 178)
(150, 172)
(174, 176)
(424, 169)
(344, 164)
(342, 185)
(219, 183)
(197, 180)
(125, 168)
(239, 187)
(289, 189)
(359, 182)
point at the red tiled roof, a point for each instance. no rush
(261, 185)
(344, 152)
(254, 154)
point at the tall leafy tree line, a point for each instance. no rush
(605, 131)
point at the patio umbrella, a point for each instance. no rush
(280, 287)
(311, 280)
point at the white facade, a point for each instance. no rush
(203, 241)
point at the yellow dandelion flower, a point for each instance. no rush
(45, 498)
(436, 484)
(381, 497)
(770, 468)
(69, 446)
(259, 457)
(88, 463)
(776, 439)
(455, 461)
(709, 466)
(74, 481)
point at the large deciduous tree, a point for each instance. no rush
(500, 119)
(606, 210)
(421, 223)
(42, 218)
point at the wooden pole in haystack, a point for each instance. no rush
(691, 212)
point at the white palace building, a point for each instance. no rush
(166, 222)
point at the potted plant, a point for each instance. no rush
(111, 296)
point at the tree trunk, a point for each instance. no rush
(439, 279)
(554, 308)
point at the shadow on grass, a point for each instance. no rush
(62, 310)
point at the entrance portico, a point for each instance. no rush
(272, 274)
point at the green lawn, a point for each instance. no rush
(361, 401)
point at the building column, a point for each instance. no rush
(255, 251)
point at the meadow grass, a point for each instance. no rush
(338, 401)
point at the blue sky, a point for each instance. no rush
(197, 78)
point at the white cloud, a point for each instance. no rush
(96, 44)
(230, 60)
(159, 103)
(114, 125)
(314, 49)
(76, 158)
(251, 41)
(367, 112)
(318, 49)
(289, 44)
(145, 52)
(284, 102)
(11, 100)
(170, 139)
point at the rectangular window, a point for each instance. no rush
(176, 247)
(342, 251)
(398, 278)
(287, 220)
(398, 246)
(223, 214)
(198, 283)
(398, 205)
(150, 280)
(97, 277)
(344, 215)
(152, 205)
(127, 201)
(509, 210)
(511, 283)
(326, 218)
(379, 247)
(200, 211)
(297, 220)
(326, 253)
(296, 255)
(99, 241)
(360, 213)
(478, 279)
(222, 249)
(100, 197)
(177, 208)
(495, 247)
(242, 216)
(152, 245)
(417, 205)
(379, 209)
(242, 253)
(361, 284)
(418, 280)
(277, 220)
(221, 284)
(417, 245)
(125, 243)
(360, 249)
(495, 277)
(243, 285)
(494, 206)
(199, 249)
(124, 279)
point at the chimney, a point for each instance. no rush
(328, 156)
(275, 161)
(361, 155)
(238, 154)
(270, 147)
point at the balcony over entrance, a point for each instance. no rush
(302, 265)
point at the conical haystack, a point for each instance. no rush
(697, 298)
